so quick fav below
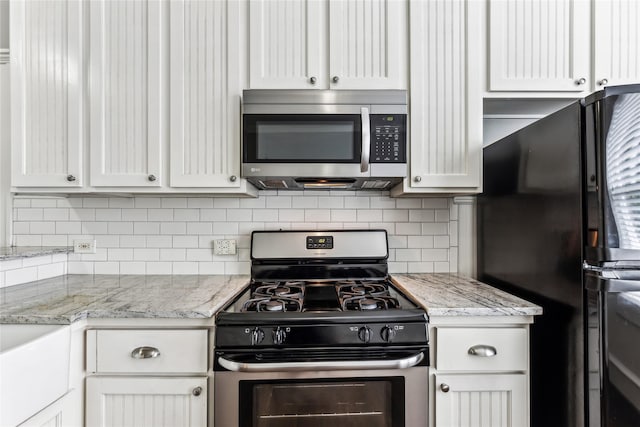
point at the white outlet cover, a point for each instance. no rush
(224, 247)
(84, 246)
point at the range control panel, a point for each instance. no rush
(319, 242)
(388, 138)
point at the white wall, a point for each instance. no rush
(173, 235)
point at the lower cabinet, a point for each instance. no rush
(55, 415)
(149, 401)
(480, 372)
(146, 377)
(482, 400)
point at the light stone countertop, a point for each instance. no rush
(15, 252)
(66, 299)
(444, 294)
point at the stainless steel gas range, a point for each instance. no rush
(321, 337)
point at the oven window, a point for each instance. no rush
(301, 138)
(354, 402)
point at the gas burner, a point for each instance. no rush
(375, 289)
(369, 302)
(272, 304)
(293, 290)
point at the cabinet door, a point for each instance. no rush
(617, 42)
(287, 47)
(481, 400)
(368, 44)
(539, 45)
(127, 92)
(446, 103)
(46, 93)
(205, 93)
(129, 402)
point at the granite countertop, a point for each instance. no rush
(456, 295)
(66, 299)
(14, 252)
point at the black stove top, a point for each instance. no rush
(315, 296)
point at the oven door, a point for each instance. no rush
(296, 394)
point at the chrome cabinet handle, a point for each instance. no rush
(581, 81)
(197, 391)
(233, 178)
(417, 178)
(313, 80)
(445, 388)
(603, 82)
(335, 79)
(145, 353)
(483, 350)
(71, 178)
(152, 178)
(366, 139)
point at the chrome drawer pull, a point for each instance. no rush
(145, 353)
(483, 350)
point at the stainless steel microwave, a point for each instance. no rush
(348, 139)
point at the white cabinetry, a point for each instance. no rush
(127, 92)
(366, 49)
(205, 93)
(46, 91)
(446, 99)
(480, 375)
(560, 47)
(616, 42)
(116, 125)
(146, 377)
(54, 415)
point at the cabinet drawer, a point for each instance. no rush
(454, 348)
(147, 351)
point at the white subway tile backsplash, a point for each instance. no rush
(35, 261)
(173, 235)
(44, 203)
(20, 275)
(121, 202)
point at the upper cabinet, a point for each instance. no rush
(616, 42)
(558, 48)
(205, 93)
(127, 92)
(446, 98)
(328, 44)
(539, 45)
(47, 120)
(158, 110)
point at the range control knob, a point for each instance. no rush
(364, 334)
(279, 335)
(387, 333)
(257, 335)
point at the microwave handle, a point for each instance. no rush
(366, 139)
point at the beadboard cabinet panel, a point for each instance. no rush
(205, 93)
(154, 401)
(446, 102)
(368, 44)
(127, 92)
(617, 42)
(539, 45)
(46, 93)
(286, 47)
(481, 400)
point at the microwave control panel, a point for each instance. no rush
(388, 138)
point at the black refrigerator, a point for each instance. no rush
(559, 224)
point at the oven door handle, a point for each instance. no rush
(405, 363)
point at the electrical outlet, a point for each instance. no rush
(224, 247)
(84, 246)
